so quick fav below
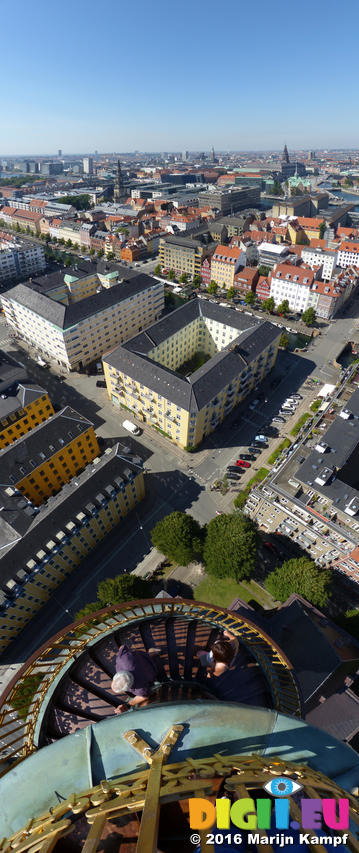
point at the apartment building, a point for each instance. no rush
(317, 259)
(348, 254)
(225, 263)
(19, 258)
(26, 219)
(294, 284)
(185, 373)
(49, 455)
(184, 254)
(43, 545)
(22, 407)
(246, 279)
(73, 319)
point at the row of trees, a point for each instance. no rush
(228, 547)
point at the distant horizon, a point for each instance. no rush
(178, 151)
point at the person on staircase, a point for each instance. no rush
(136, 673)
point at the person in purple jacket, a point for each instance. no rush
(136, 672)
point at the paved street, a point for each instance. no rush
(175, 479)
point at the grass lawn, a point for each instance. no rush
(221, 591)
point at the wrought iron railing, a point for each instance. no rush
(17, 727)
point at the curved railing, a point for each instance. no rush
(44, 669)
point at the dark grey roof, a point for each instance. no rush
(341, 457)
(338, 715)
(308, 649)
(18, 396)
(193, 392)
(10, 372)
(33, 449)
(26, 529)
(65, 316)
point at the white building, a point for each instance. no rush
(294, 284)
(76, 333)
(348, 255)
(271, 253)
(317, 258)
(87, 163)
(20, 259)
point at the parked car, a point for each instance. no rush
(234, 469)
(261, 438)
(241, 463)
(131, 427)
(260, 444)
(233, 476)
(247, 456)
(278, 420)
(297, 397)
(255, 449)
(100, 383)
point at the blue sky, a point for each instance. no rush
(158, 76)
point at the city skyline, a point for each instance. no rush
(170, 81)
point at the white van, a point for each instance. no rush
(131, 427)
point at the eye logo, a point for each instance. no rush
(282, 787)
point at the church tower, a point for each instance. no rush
(119, 193)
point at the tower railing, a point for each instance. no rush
(26, 696)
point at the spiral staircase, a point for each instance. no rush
(60, 709)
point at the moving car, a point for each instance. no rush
(242, 463)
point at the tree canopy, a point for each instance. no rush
(212, 287)
(230, 293)
(300, 575)
(250, 298)
(269, 305)
(179, 537)
(283, 308)
(79, 202)
(308, 317)
(230, 547)
(284, 341)
(115, 590)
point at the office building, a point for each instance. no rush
(230, 200)
(185, 373)
(88, 165)
(72, 318)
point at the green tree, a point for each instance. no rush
(68, 261)
(231, 292)
(79, 202)
(308, 317)
(284, 341)
(89, 608)
(68, 244)
(230, 546)
(62, 241)
(76, 247)
(322, 229)
(269, 305)
(283, 308)
(171, 275)
(300, 575)
(212, 287)
(157, 270)
(100, 253)
(250, 298)
(111, 256)
(183, 278)
(197, 281)
(92, 251)
(123, 588)
(179, 537)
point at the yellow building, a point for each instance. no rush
(184, 374)
(21, 409)
(224, 265)
(42, 546)
(39, 463)
(183, 254)
(311, 226)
